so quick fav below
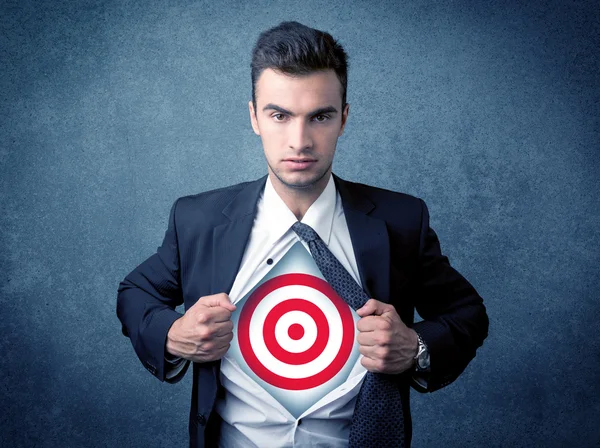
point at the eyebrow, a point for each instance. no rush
(321, 110)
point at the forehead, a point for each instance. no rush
(298, 93)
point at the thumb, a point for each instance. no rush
(220, 299)
(374, 307)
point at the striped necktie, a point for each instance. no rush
(378, 418)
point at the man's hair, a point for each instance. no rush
(296, 49)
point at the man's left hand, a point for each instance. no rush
(387, 344)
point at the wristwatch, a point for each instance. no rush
(422, 356)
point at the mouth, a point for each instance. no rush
(298, 163)
(298, 160)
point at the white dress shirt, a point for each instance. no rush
(251, 417)
(250, 414)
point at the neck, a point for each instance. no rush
(299, 200)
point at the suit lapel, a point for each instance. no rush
(370, 240)
(230, 239)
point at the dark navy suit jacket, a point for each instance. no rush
(398, 257)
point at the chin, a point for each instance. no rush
(305, 180)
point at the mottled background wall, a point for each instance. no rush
(109, 111)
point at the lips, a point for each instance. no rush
(298, 160)
(298, 163)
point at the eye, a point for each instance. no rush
(322, 119)
(278, 115)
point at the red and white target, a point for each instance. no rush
(295, 332)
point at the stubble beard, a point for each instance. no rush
(300, 186)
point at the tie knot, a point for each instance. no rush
(305, 232)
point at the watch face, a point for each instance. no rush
(423, 361)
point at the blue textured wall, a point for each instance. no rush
(489, 111)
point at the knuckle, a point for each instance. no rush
(385, 339)
(380, 339)
(204, 332)
(384, 325)
(202, 318)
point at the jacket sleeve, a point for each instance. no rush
(455, 322)
(146, 301)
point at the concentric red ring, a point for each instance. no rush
(295, 383)
(314, 350)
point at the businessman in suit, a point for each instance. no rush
(383, 238)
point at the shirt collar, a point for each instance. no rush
(320, 214)
(279, 218)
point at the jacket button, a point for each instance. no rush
(201, 419)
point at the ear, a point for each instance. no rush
(253, 119)
(344, 118)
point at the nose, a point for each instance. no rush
(299, 136)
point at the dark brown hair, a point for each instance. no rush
(297, 49)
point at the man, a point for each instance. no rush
(220, 244)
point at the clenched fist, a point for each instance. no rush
(204, 332)
(386, 343)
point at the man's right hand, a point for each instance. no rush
(204, 332)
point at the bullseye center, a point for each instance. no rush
(296, 331)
